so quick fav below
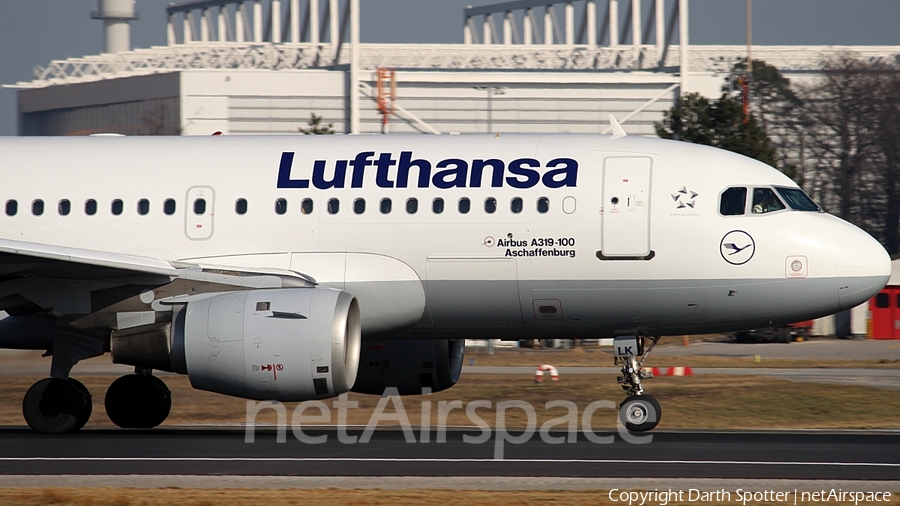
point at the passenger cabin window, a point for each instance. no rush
(64, 207)
(359, 206)
(464, 205)
(280, 206)
(90, 207)
(37, 207)
(515, 205)
(765, 201)
(143, 207)
(334, 205)
(437, 206)
(169, 207)
(116, 207)
(240, 206)
(733, 201)
(385, 206)
(412, 205)
(306, 206)
(543, 205)
(490, 205)
(200, 207)
(797, 199)
(12, 207)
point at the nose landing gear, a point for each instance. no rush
(638, 412)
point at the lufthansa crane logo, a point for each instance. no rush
(737, 247)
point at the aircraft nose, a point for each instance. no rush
(863, 267)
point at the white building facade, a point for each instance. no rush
(526, 66)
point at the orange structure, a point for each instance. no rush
(386, 89)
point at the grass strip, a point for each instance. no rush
(688, 402)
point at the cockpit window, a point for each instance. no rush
(765, 201)
(733, 201)
(797, 199)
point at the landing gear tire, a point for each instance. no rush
(138, 401)
(640, 413)
(86, 415)
(57, 406)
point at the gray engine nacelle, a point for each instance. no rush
(289, 344)
(409, 365)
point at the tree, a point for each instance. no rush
(720, 123)
(888, 128)
(316, 127)
(836, 136)
(776, 105)
(771, 93)
(841, 113)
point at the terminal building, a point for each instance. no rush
(264, 66)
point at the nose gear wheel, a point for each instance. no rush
(638, 412)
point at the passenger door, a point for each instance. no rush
(625, 221)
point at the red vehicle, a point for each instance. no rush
(885, 311)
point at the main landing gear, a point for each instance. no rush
(638, 412)
(134, 401)
(138, 401)
(55, 405)
(61, 404)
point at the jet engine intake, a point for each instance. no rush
(289, 344)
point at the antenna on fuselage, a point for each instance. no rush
(617, 130)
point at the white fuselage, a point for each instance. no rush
(656, 261)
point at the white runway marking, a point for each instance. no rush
(353, 459)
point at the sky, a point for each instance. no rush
(34, 32)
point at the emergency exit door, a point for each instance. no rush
(625, 222)
(199, 212)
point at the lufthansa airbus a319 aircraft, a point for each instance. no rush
(293, 268)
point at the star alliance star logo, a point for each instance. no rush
(684, 198)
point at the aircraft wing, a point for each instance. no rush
(18, 258)
(36, 277)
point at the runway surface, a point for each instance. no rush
(219, 457)
(814, 349)
(878, 378)
(722, 455)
